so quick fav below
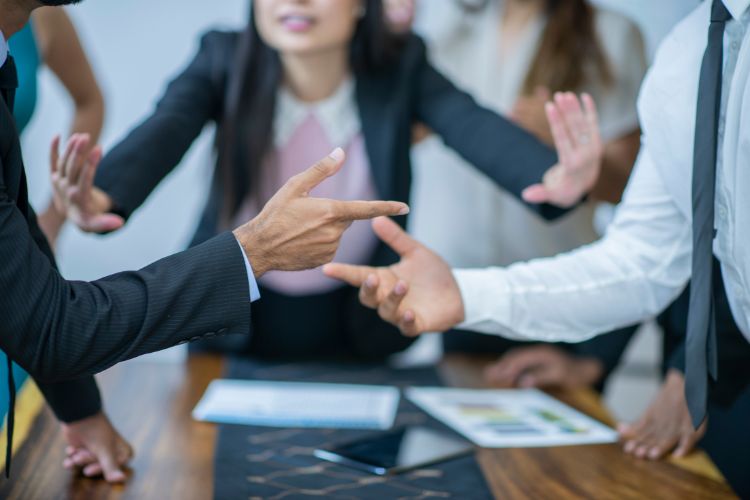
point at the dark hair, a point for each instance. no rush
(246, 130)
(570, 53)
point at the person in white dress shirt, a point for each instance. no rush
(494, 49)
(645, 258)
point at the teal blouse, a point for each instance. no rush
(26, 54)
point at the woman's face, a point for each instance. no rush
(303, 27)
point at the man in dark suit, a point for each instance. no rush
(61, 332)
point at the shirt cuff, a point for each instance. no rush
(254, 291)
(487, 307)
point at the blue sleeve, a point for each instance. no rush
(254, 291)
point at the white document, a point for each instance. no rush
(516, 418)
(291, 404)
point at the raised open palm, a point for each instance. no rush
(575, 130)
(74, 194)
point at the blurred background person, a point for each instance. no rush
(512, 55)
(50, 40)
(304, 75)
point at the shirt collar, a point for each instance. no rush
(737, 7)
(338, 115)
(3, 49)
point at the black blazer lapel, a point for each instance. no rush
(378, 130)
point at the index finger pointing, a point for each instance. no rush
(361, 210)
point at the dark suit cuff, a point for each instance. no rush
(74, 399)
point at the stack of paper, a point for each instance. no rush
(289, 404)
(516, 418)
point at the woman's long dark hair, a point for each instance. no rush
(245, 133)
(570, 53)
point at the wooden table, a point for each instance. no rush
(151, 404)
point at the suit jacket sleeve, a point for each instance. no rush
(61, 330)
(509, 155)
(70, 400)
(133, 169)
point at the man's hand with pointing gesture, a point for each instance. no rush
(295, 231)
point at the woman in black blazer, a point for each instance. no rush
(233, 81)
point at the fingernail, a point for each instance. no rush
(404, 210)
(400, 288)
(370, 282)
(337, 154)
(408, 316)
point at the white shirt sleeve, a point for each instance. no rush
(637, 269)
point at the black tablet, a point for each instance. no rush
(396, 451)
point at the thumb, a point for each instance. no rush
(303, 183)
(103, 223)
(354, 275)
(395, 237)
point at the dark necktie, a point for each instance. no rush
(8, 85)
(700, 353)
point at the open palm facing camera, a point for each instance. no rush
(574, 125)
(418, 294)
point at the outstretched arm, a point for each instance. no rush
(133, 169)
(512, 157)
(58, 329)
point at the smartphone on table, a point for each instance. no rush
(396, 451)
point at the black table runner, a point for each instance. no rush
(271, 463)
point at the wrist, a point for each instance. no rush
(253, 249)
